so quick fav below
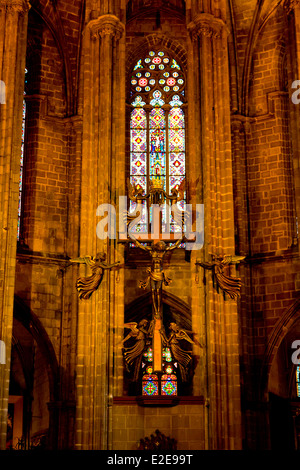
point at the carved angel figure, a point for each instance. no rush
(134, 354)
(87, 285)
(180, 355)
(230, 285)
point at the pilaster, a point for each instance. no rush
(13, 31)
(209, 34)
(100, 319)
(292, 8)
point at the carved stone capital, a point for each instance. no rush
(106, 25)
(207, 25)
(290, 5)
(15, 6)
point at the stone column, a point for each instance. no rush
(13, 34)
(292, 8)
(210, 33)
(100, 319)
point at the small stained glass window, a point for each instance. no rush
(169, 384)
(298, 381)
(166, 383)
(150, 385)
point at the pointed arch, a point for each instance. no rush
(156, 40)
(33, 325)
(281, 329)
(175, 304)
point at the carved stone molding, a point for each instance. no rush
(15, 6)
(207, 25)
(106, 25)
(290, 5)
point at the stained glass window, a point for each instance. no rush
(152, 385)
(157, 127)
(298, 381)
(21, 164)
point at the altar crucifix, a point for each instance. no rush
(156, 278)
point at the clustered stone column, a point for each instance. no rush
(13, 33)
(100, 319)
(292, 8)
(209, 35)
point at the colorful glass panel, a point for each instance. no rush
(138, 102)
(157, 118)
(148, 354)
(176, 101)
(21, 169)
(176, 118)
(139, 181)
(150, 385)
(176, 140)
(177, 164)
(298, 381)
(157, 141)
(157, 164)
(157, 125)
(138, 164)
(169, 384)
(167, 355)
(138, 140)
(175, 65)
(138, 118)
(138, 65)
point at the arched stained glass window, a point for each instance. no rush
(157, 127)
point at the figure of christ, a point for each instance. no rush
(86, 286)
(157, 277)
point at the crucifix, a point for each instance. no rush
(156, 278)
(157, 250)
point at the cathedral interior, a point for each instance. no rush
(176, 326)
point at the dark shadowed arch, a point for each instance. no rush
(34, 326)
(177, 308)
(282, 327)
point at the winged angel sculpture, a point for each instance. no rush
(133, 355)
(230, 285)
(86, 286)
(143, 330)
(180, 355)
